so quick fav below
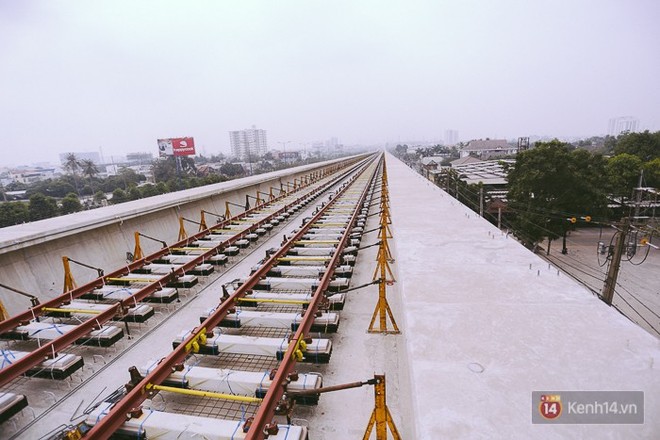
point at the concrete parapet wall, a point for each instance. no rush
(31, 254)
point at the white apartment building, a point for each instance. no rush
(622, 124)
(248, 144)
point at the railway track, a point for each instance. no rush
(55, 339)
(232, 375)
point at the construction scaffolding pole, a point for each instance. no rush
(381, 417)
(383, 272)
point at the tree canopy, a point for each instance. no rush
(42, 207)
(645, 145)
(548, 185)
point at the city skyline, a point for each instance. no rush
(85, 76)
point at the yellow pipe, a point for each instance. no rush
(84, 311)
(134, 280)
(283, 259)
(276, 301)
(199, 393)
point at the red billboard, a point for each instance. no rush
(176, 146)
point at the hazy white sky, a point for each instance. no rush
(79, 75)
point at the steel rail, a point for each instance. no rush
(119, 413)
(276, 390)
(33, 312)
(50, 349)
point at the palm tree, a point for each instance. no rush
(89, 169)
(72, 164)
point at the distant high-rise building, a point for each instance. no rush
(622, 124)
(248, 144)
(332, 142)
(84, 155)
(451, 137)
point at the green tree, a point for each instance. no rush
(99, 197)
(164, 170)
(70, 204)
(232, 169)
(42, 207)
(134, 193)
(400, 150)
(148, 190)
(652, 173)
(548, 185)
(623, 174)
(13, 213)
(118, 196)
(53, 187)
(644, 145)
(89, 169)
(72, 165)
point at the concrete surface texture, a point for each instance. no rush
(487, 322)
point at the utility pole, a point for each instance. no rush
(481, 201)
(613, 272)
(638, 196)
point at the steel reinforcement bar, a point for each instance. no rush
(145, 389)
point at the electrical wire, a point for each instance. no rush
(635, 310)
(639, 301)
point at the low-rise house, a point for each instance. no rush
(488, 148)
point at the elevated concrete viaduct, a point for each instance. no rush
(31, 254)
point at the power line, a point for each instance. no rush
(635, 310)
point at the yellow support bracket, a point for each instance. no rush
(196, 341)
(182, 230)
(137, 252)
(202, 222)
(227, 212)
(69, 282)
(381, 417)
(299, 348)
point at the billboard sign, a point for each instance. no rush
(176, 147)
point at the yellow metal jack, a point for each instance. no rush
(137, 252)
(227, 212)
(182, 230)
(202, 222)
(384, 274)
(381, 417)
(69, 282)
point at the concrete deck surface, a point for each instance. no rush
(487, 322)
